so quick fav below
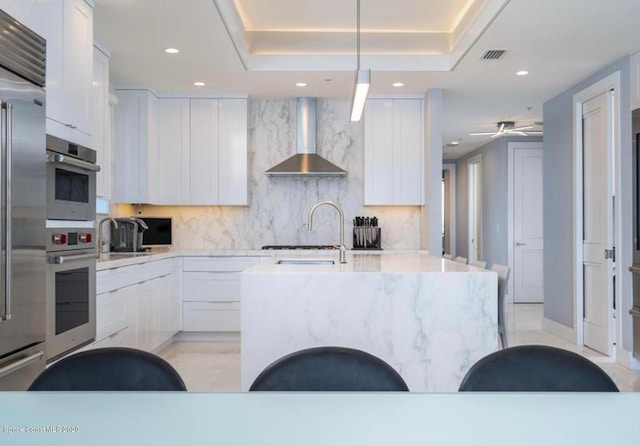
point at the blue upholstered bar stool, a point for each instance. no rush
(329, 369)
(113, 368)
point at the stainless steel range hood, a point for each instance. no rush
(306, 162)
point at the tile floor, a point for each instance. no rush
(215, 366)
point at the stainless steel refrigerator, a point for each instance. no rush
(22, 198)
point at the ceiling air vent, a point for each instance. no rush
(493, 54)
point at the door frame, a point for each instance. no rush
(476, 159)
(451, 168)
(511, 147)
(609, 83)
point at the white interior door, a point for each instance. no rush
(474, 173)
(527, 226)
(597, 130)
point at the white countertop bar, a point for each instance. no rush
(310, 419)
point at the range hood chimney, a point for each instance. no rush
(306, 162)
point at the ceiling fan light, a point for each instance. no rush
(360, 92)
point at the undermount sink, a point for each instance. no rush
(306, 261)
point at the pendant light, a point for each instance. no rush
(362, 84)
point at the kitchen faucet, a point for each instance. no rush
(343, 248)
(101, 235)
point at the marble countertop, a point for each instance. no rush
(429, 318)
(388, 262)
(116, 260)
(119, 259)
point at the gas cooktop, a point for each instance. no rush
(299, 247)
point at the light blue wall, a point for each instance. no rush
(559, 230)
(494, 200)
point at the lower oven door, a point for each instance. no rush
(71, 188)
(71, 301)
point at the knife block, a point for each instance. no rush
(367, 238)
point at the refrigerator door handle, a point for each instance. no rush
(21, 363)
(3, 205)
(8, 213)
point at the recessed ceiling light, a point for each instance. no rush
(398, 84)
(171, 50)
(300, 84)
(199, 84)
(522, 73)
(454, 143)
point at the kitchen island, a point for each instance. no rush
(431, 319)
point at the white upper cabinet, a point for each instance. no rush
(101, 116)
(233, 152)
(68, 27)
(635, 81)
(204, 176)
(136, 147)
(202, 151)
(173, 151)
(200, 157)
(393, 152)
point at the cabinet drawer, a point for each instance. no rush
(210, 286)
(211, 316)
(112, 279)
(115, 278)
(159, 268)
(123, 338)
(111, 313)
(221, 264)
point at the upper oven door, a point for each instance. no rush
(71, 188)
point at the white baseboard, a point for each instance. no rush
(625, 359)
(203, 336)
(558, 329)
(161, 347)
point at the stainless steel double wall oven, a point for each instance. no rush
(71, 246)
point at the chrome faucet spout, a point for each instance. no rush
(101, 234)
(343, 248)
(140, 222)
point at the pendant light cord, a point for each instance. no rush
(358, 33)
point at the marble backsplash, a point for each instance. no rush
(279, 206)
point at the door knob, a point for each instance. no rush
(520, 244)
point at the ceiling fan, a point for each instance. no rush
(509, 128)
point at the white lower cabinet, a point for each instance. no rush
(138, 305)
(211, 316)
(211, 292)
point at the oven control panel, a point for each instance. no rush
(59, 239)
